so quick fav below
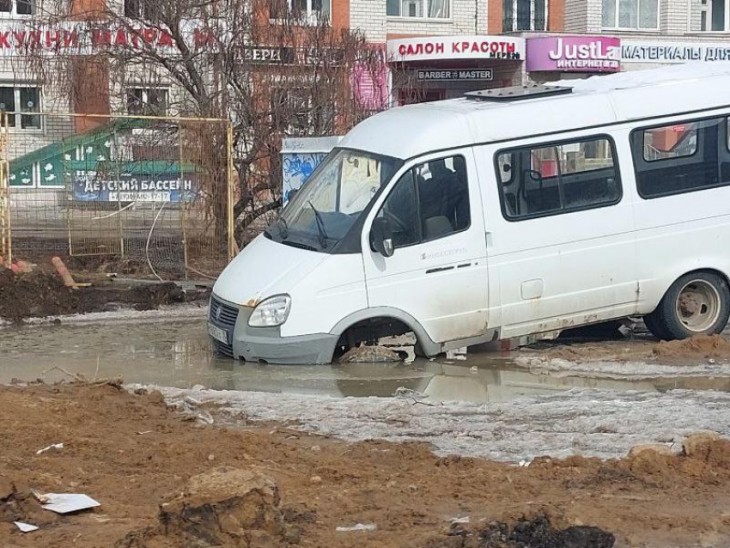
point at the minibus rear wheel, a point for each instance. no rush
(696, 304)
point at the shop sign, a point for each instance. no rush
(436, 48)
(640, 51)
(88, 37)
(88, 187)
(454, 75)
(268, 56)
(574, 54)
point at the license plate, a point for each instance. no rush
(217, 333)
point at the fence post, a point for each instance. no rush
(232, 246)
(6, 233)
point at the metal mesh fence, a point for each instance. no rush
(149, 195)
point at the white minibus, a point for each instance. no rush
(500, 214)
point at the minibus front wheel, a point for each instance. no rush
(698, 303)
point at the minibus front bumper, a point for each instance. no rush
(233, 337)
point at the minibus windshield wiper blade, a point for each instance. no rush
(300, 245)
(283, 227)
(320, 226)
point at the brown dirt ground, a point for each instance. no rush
(694, 350)
(132, 453)
(42, 294)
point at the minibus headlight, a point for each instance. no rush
(272, 312)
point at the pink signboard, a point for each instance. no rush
(574, 54)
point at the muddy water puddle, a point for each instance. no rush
(177, 353)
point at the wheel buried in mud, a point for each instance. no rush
(696, 304)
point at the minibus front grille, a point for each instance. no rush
(222, 348)
(222, 314)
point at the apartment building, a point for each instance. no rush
(601, 36)
(438, 49)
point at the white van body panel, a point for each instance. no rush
(334, 290)
(263, 269)
(444, 282)
(324, 288)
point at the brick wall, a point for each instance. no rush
(369, 16)
(341, 14)
(576, 15)
(495, 13)
(556, 15)
(674, 17)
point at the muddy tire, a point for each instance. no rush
(654, 325)
(696, 304)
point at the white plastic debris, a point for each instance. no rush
(65, 503)
(54, 446)
(358, 527)
(457, 354)
(26, 527)
(464, 519)
(205, 417)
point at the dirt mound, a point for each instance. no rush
(223, 507)
(164, 481)
(43, 294)
(699, 346)
(536, 532)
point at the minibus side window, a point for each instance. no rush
(555, 178)
(429, 202)
(681, 157)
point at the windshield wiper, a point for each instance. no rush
(320, 226)
(283, 227)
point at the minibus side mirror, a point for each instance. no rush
(381, 237)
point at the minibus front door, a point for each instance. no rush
(424, 252)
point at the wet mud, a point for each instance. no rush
(165, 480)
(42, 294)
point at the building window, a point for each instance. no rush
(141, 9)
(17, 7)
(715, 15)
(147, 101)
(631, 14)
(522, 15)
(17, 101)
(681, 157)
(300, 10)
(551, 179)
(426, 9)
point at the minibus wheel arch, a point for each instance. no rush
(370, 325)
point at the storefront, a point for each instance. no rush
(443, 67)
(560, 57)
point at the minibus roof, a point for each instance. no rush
(410, 131)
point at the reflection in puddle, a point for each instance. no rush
(177, 353)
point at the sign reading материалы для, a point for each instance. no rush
(135, 188)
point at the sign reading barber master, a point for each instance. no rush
(456, 75)
(135, 188)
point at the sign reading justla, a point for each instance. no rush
(459, 75)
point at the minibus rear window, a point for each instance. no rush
(681, 157)
(555, 178)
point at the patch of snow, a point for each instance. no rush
(171, 312)
(561, 368)
(600, 423)
(650, 77)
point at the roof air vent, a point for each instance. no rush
(517, 93)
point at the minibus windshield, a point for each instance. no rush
(327, 206)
